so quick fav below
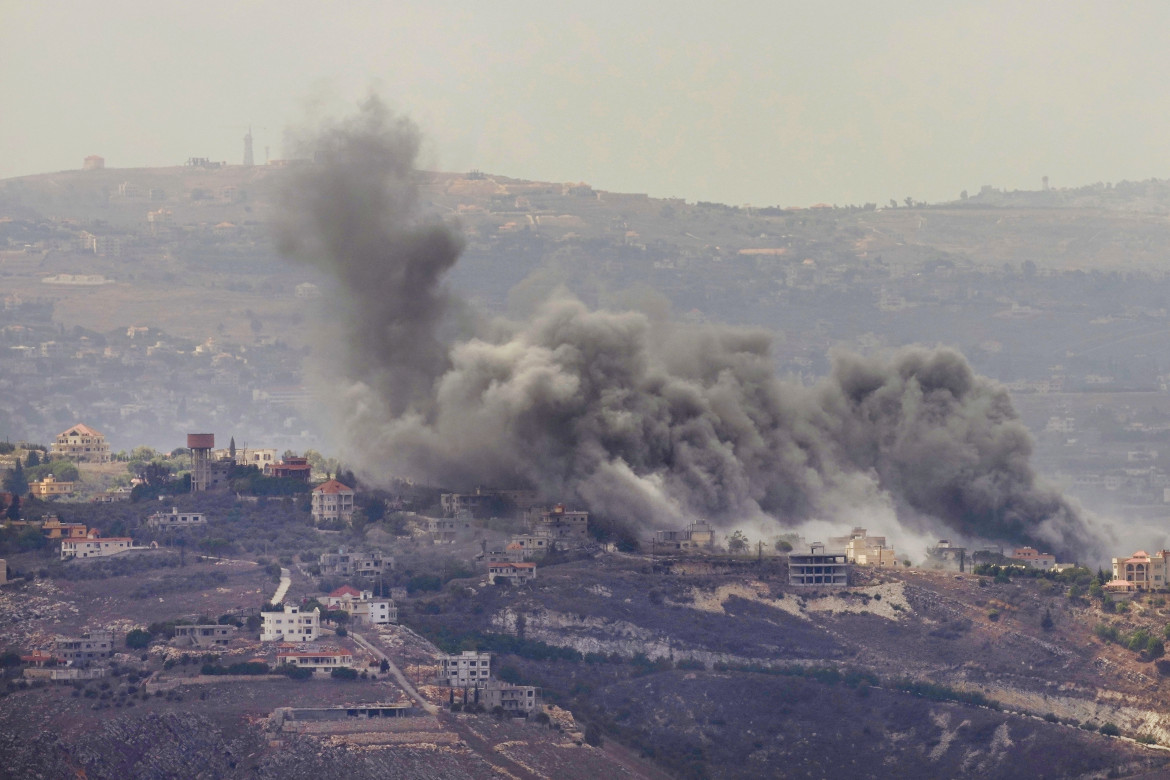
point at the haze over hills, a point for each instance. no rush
(1053, 292)
(152, 303)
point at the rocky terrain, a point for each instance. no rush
(722, 670)
(674, 667)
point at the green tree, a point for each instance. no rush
(1046, 621)
(138, 638)
(337, 616)
(737, 543)
(15, 481)
(62, 471)
(13, 512)
(33, 459)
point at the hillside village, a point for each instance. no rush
(101, 264)
(274, 574)
(251, 604)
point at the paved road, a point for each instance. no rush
(398, 675)
(285, 581)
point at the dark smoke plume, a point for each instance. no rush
(641, 418)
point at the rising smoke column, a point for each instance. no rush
(641, 418)
(354, 213)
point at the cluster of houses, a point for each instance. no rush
(471, 671)
(72, 658)
(557, 528)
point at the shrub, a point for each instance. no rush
(138, 638)
(343, 674)
(1107, 632)
(423, 582)
(294, 672)
(1110, 730)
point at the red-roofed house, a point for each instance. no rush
(41, 659)
(292, 467)
(332, 502)
(342, 592)
(362, 606)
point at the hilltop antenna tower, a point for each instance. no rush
(248, 148)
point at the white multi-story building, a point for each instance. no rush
(362, 606)
(468, 668)
(290, 625)
(332, 502)
(94, 546)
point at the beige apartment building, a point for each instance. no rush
(80, 444)
(332, 502)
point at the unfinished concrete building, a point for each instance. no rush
(512, 699)
(818, 567)
(203, 636)
(79, 651)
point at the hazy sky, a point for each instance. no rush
(762, 103)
